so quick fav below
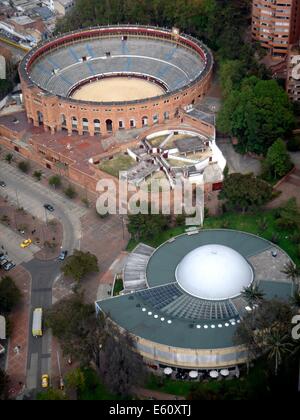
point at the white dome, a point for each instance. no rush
(214, 272)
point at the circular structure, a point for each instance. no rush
(214, 272)
(116, 89)
(169, 71)
(183, 301)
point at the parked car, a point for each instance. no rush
(3, 262)
(2, 256)
(2, 184)
(26, 243)
(63, 255)
(9, 266)
(49, 207)
(45, 381)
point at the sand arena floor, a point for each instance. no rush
(117, 89)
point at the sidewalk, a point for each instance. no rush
(16, 365)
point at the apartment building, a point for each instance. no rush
(276, 25)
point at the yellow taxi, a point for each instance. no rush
(45, 381)
(26, 243)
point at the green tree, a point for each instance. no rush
(289, 216)
(121, 367)
(257, 114)
(37, 175)
(277, 345)
(10, 295)
(24, 166)
(295, 300)
(277, 162)
(70, 192)
(5, 87)
(9, 157)
(230, 74)
(267, 331)
(80, 332)
(51, 395)
(55, 181)
(292, 271)
(245, 192)
(75, 380)
(147, 226)
(80, 264)
(253, 295)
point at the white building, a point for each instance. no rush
(63, 6)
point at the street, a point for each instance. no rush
(24, 192)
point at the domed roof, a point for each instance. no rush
(214, 272)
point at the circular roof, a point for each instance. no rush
(214, 272)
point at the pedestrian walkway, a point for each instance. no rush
(18, 342)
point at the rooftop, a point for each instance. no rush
(166, 313)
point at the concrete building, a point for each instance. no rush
(293, 74)
(5, 62)
(276, 25)
(183, 302)
(63, 6)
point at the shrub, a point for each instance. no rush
(24, 166)
(70, 192)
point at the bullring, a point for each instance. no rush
(178, 66)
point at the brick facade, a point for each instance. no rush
(56, 113)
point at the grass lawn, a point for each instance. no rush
(117, 164)
(157, 141)
(252, 223)
(118, 287)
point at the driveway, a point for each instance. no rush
(238, 163)
(10, 244)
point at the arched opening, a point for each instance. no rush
(166, 115)
(132, 123)
(144, 121)
(121, 125)
(109, 126)
(63, 120)
(40, 118)
(74, 123)
(155, 119)
(97, 126)
(85, 124)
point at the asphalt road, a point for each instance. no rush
(31, 195)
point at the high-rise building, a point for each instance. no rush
(293, 73)
(276, 25)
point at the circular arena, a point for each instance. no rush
(183, 301)
(100, 80)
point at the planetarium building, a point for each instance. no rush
(183, 301)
